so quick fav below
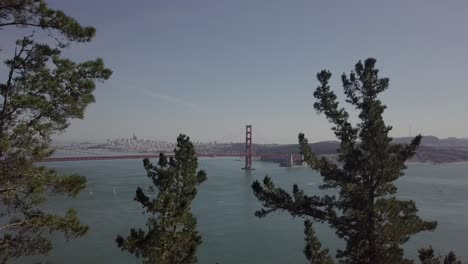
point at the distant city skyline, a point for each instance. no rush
(208, 68)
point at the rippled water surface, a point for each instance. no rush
(225, 209)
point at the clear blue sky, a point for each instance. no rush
(207, 68)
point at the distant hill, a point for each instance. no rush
(432, 141)
(320, 148)
(431, 150)
(428, 154)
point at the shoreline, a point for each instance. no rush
(439, 163)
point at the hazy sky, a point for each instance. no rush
(208, 68)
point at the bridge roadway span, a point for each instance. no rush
(153, 156)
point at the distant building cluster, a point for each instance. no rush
(132, 140)
(140, 145)
(135, 144)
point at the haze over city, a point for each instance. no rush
(209, 68)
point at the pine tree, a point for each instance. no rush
(41, 93)
(171, 237)
(426, 256)
(451, 258)
(37, 14)
(313, 249)
(365, 212)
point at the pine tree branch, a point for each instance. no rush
(8, 226)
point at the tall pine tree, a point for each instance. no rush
(365, 212)
(41, 93)
(171, 236)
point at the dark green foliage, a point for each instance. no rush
(365, 212)
(37, 14)
(313, 249)
(41, 93)
(426, 256)
(451, 258)
(171, 237)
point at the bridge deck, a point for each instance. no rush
(152, 156)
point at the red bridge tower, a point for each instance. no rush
(248, 148)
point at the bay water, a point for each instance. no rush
(225, 208)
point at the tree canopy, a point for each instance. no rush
(40, 95)
(37, 14)
(171, 236)
(365, 211)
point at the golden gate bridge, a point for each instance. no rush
(248, 154)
